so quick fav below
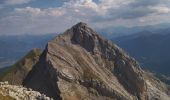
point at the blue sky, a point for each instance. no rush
(52, 16)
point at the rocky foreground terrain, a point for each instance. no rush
(13, 92)
(81, 65)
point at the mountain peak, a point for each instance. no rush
(80, 34)
(84, 35)
(81, 64)
(83, 28)
(81, 24)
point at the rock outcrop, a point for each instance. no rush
(18, 72)
(13, 92)
(81, 65)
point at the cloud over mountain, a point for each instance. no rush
(98, 13)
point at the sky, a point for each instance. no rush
(55, 16)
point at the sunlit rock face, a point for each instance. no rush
(81, 65)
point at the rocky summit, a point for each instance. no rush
(81, 65)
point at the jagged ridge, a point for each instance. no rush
(80, 64)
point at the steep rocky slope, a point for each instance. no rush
(17, 73)
(81, 65)
(149, 48)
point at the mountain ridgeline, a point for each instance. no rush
(151, 49)
(15, 47)
(18, 72)
(81, 65)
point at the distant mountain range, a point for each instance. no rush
(82, 65)
(13, 48)
(113, 32)
(150, 48)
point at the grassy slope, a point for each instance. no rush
(21, 68)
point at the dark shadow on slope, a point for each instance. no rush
(41, 79)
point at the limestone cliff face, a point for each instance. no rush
(81, 65)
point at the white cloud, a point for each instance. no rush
(114, 3)
(161, 9)
(39, 12)
(104, 14)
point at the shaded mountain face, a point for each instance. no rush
(79, 64)
(18, 72)
(151, 50)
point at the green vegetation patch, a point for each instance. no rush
(33, 53)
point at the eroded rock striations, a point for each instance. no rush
(81, 65)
